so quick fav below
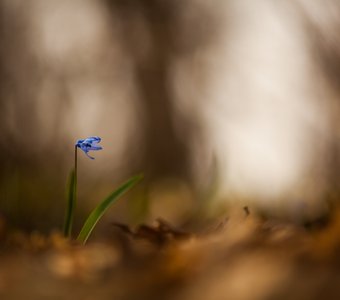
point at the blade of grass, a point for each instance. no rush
(102, 207)
(71, 203)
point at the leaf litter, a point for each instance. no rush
(243, 256)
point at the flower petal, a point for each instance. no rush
(88, 155)
(95, 148)
(93, 139)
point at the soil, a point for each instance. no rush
(242, 257)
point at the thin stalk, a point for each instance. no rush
(72, 197)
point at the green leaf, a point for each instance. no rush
(71, 204)
(102, 207)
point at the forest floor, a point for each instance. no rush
(242, 257)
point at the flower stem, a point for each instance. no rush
(72, 198)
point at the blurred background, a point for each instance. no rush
(218, 103)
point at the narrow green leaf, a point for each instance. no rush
(102, 207)
(71, 204)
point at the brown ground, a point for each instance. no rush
(242, 258)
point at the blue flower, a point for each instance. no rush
(91, 143)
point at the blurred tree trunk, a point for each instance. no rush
(152, 39)
(24, 183)
(18, 83)
(325, 50)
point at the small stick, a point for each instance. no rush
(246, 210)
